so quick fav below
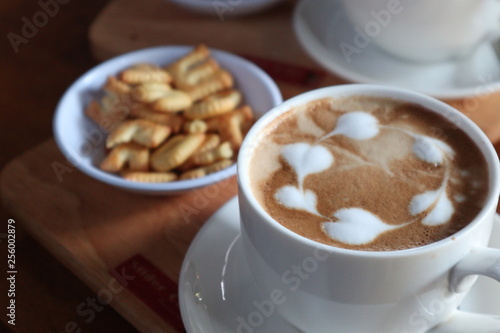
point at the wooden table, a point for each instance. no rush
(79, 34)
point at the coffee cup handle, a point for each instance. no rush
(480, 261)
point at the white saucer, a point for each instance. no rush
(216, 288)
(321, 26)
(224, 8)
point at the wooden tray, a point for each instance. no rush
(127, 247)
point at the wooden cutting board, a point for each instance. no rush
(128, 247)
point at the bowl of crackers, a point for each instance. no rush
(162, 120)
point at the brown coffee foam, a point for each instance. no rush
(385, 194)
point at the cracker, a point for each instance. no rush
(168, 121)
(211, 141)
(173, 101)
(115, 86)
(214, 105)
(209, 152)
(150, 177)
(198, 74)
(172, 120)
(220, 80)
(172, 154)
(106, 119)
(221, 152)
(186, 62)
(144, 132)
(149, 91)
(233, 125)
(206, 170)
(131, 154)
(195, 126)
(144, 73)
(117, 105)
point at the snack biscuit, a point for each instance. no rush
(197, 74)
(105, 118)
(164, 122)
(149, 91)
(115, 86)
(95, 112)
(173, 101)
(212, 140)
(206, 170)
(144, 132)
(220, 80)
(195, 126)
(149, 177)
(118, 105)
(214, 105)
(209, 152)
(172, 120)
(233, 125)
(172, 154)
(171, 142)
(131, 154)
(221, 152)
(185, 63)
(144, 73)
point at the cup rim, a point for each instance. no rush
(359, 89)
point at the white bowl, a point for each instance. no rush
(222, 8)
(83, 142)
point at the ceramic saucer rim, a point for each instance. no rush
(212, 222)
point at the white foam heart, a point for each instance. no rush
(356, 226)
(292, 197)
(427, 150)
(306, 159)
(441, 213)
(422, 202)
(357, 125)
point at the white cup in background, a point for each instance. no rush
(425, 30)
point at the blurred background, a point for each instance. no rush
(37, 65)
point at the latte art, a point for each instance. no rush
(361, 226)
(368, 173)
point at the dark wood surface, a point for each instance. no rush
(32, 81)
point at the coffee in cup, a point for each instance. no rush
(361, 140)
(368, 173)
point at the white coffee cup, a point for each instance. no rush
(322, 288)
(425, 30)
